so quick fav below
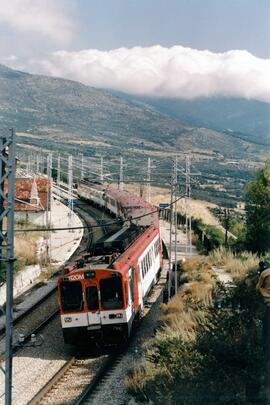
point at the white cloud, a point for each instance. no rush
(47, 18)
(158, 71)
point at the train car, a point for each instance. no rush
(101, 294)
(119, 203)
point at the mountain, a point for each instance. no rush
(249, 119)
(56, 115)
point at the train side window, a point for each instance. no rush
(151, 257)
(131, 283)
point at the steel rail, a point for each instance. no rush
(100, 376)
(41, 394)
(34, 331)
(88, 236)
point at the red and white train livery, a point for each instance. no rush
(100, 296)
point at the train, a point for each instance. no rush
(103, 292)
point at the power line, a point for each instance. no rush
(42, 229)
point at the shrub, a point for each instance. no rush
(203, 353)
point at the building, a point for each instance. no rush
(31, 199)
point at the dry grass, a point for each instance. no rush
(25, 249)
(186, 313)
(136, 381)
(238, 265)
(25, 246)
(179, 317)
(48, 271)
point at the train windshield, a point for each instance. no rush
(111, 293)
(92, 298)
(71, 296)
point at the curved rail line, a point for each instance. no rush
(87, 241)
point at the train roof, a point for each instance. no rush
(119, 262)
(134, 205)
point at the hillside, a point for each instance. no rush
(247, 119)
(62, 115)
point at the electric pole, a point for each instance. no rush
(171, 228)
(121, 175)
(28, 170)
(7, 190)
(227, 224)
(188, 207)
(82, 167)
(148, 196)
(175, 223)
(101, 170)
(37, 163)
(58, 170)
(49, 207)
(70, 188)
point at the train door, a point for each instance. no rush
(140, 287)
(92, 302)
(131, 288)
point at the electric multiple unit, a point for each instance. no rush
(100, 296)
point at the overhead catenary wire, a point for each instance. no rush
(42, 229)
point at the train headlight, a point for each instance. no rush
(68, 319)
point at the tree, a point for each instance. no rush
(258, 210)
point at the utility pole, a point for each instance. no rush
(148, 197)
(226, 223)
(171, 228)
(49, 207)
(7, 170)
(58, 170)
(70, 189)
(28, 165)
(82, 167)
(188, 207)
(121, 175)
(175, 223)
(42, 164)
(37, 163)
(101, 170)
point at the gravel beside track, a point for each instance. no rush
(112, 390)
(73, 381)
(26, 324)
(36, 363)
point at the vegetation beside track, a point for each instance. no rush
(25, 247)
(208, 349)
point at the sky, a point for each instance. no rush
(172, 48)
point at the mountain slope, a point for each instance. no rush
(249, 119)
(64, 116)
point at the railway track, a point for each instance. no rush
(79, 380)
(45, 308)
(72, 382)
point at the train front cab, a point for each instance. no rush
(95, 305)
